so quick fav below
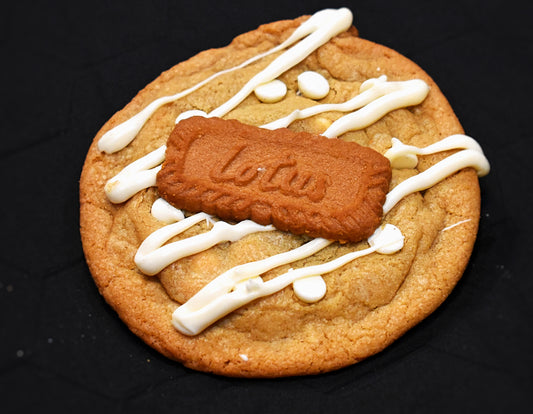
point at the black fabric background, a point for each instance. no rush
(68, 66)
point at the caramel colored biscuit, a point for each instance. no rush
(300, 182)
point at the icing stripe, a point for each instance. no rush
(227, 292)
(319, 28)
(435, 174)
(242, 284)
(327, 25)
(135, 177)
(404, 156)
(229, 279)
(377, 97)
(408, 93)
(152, 256)
(191, 319)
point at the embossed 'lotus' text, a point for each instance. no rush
(299, 182)
(281, 173)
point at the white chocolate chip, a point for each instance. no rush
(271, 92)
(313, 85)
(310, 289)
(387, 238)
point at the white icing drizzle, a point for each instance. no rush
(313, 85)
(238, 274)
(405, 156)
(191, 319)
(152, 256)
(243, 284)
(271, 92)
(166, 212)
(135, 177)
(190, 114)
(377, 97)
(471, 157)
(395, 95)
(319, 29)
(456, 224)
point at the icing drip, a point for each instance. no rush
(190, 114)
(456, 224)
(319, 28)
(243, 284)
(322, 26)
(393, 95)
(135, 177)
(152, 256)
(377, 97)
(197, 314)
(404, 156)
(389, 233)
(165, 212)
(471, 157)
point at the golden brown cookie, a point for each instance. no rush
(369, 302)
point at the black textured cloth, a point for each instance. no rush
(68, 66)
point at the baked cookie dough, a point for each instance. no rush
(237, 324)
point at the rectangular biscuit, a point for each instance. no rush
(297, 181)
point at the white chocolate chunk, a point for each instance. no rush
(310, 289)
(388, 239)
(313, 85)
(271, 92)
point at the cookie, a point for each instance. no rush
(308, 185)
(246, 299)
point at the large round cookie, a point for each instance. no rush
(369, 303)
